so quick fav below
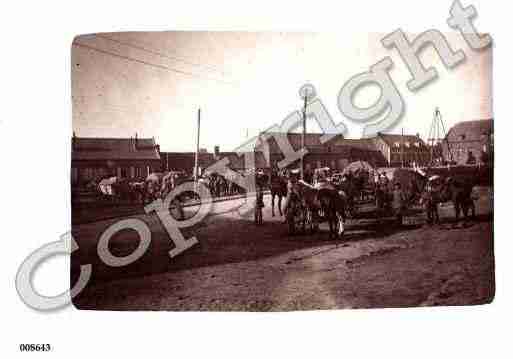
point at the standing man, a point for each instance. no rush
(398, 201)
(292, 188)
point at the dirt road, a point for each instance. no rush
(240, 266)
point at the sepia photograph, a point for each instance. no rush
(271, 179)
(281, 171)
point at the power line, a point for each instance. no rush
(139, 47)
(142, 62)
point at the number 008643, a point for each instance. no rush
(35, 347)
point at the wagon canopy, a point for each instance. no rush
(405, 176)
(358, 165)
(170, 175)
(108, 181)
(155, 177)
(105, 185)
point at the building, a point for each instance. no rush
(336, 153)
(469, 142)
(365, 149)
(185, 161)
(97, 158)
(402, 150)
(240, 161)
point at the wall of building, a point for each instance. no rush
(466, 137)
(185, 161)
(83, 172)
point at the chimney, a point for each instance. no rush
(136, 141)
(216, 152)
(73, 140)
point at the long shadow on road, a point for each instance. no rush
(222, 239)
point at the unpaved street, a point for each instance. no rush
(240, 266)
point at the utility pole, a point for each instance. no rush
(303, 135)
(197, 147)
(402, 147)
(306, 93)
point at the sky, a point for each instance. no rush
(152, 84)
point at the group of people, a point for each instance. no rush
(430, 193)
(220, 185)
(392, 197)
(460, 192)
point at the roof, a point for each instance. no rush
(339, 145)
(312, 140)
(391, 139)
(185, 160)
(89, 148)
(473, 130)
(361, 143)
(237, 160)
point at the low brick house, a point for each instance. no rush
(96, 158)
(185, 161)
(336, 153)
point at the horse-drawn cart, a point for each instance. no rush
(308, 205)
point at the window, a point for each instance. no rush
(463, 137)
(407, 144)
(417, 144)
(396, 144)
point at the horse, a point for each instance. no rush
(459, 192)
(278, 186)
(352, 187)
(333, 204)
(326, 203)
(360, 178)
(139, 191)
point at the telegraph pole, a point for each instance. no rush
(303, 135)
(306, 93)
(402, 147)
(197, 147)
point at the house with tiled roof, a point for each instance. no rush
(402, 150)
(336, 153)
(469, 142)
(93, 158)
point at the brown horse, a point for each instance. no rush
(352, 186)
(459, 192)
(278, 186)
(325, 204)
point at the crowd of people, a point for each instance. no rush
(392, 196)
